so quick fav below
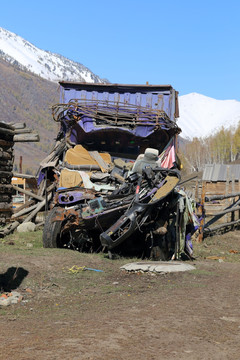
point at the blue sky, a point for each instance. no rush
(192, 45)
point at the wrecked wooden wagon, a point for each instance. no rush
(116, 172)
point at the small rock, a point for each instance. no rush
(26, 227)
(4, 301)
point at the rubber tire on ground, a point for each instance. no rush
(52, 231)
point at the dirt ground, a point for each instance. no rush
(85, 314)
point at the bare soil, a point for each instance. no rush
(118, 315)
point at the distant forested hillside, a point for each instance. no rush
(25, 97)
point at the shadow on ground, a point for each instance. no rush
(12, 278)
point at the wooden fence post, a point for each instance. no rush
(201, 229)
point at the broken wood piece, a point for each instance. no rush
(29, 193)
(26, 138)
(19, 125)
(23, 176)
(221, 197)
(23, 206)
(23, 131)
(218, 227)
(9, 229)
(24, 211)
(35, 211)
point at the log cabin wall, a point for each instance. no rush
(6, 168)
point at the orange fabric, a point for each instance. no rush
(69, 178)
(80, 156)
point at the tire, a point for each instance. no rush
(52, 231)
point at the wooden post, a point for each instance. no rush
(201, 229)
(233, 200)
(226, 192)
(46, 195)
(196, 192)
(20, 164)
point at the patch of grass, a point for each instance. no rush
(202, 272)
(226, 246)
(22, 241)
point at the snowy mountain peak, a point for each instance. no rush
(50, 66)
(202, 116)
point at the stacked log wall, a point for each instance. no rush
(6, 168)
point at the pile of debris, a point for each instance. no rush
(112, 180)
(38, 200)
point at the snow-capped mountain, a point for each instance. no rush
(50, 66)
(202, 116)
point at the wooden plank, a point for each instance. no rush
(19, 125)
(23, 131)
(23, 176)
(26, 138)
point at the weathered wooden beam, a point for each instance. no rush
(217, 217)
(23, 206)
(39, 225)
(221, 197)
(26, 138)
(218, 227)
(23, 131)
(29, 193)
(19, 125)
(24, 211)
(23, 176)
(224, 211)
(35, 211)
(9, 229)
